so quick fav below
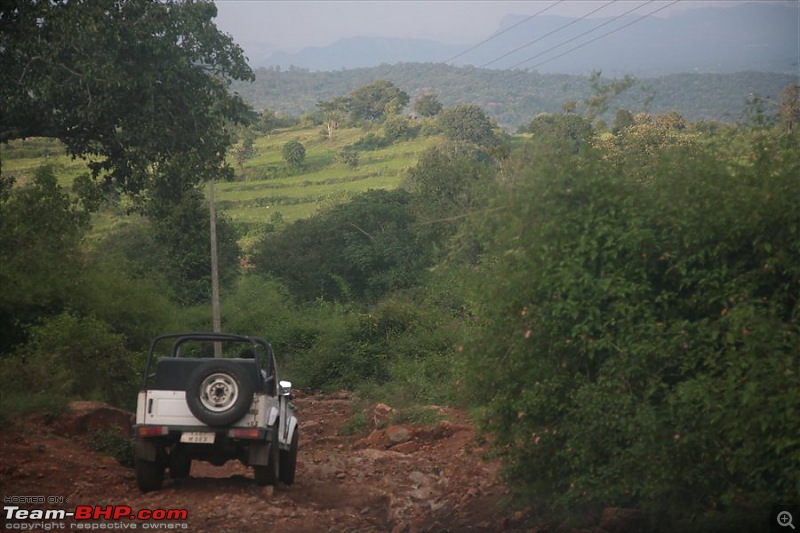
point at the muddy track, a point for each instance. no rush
(435, 478)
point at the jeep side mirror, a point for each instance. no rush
(285, 388)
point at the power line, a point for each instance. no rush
(575, 21)
(606, 23)
(596, 38)
(496, 35)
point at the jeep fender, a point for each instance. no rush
(290, 431)
(273, 416)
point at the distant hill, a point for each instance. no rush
(514, 97)
(755, 36)
(357, 52)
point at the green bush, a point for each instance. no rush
(359, 250)
(17, 401)
(71, 357)
(357, 423)
(371, 141)
(639, 337)
(397, 128)
(294, 153)
(347, 157)
(339, 357)
(263, 307)
(398, 351)
(110, 442)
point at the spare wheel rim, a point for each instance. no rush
(219, 392)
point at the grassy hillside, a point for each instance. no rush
(265, 191)
(20, 158)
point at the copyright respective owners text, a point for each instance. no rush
(784, 518)
(53, 513)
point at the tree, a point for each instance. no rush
(180, 235)
(671, 120)
(396, 127)
(623, 119)
(40, 234)
(449, 183)
(266, 122)
(427, 105)
(369, 102)
(246, 149)
(603, 93)
(452, 177)
(140, 84)
(565, 128)
(294, 153)
(789, 107)
(360, 250)
(467, 122)
(334, 111)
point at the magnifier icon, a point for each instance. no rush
(785, 519)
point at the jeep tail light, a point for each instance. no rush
(246, 433)
(151, 431)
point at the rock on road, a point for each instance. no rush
(398, 479)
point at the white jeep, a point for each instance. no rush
(213, 397)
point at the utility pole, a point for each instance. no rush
(215, 311)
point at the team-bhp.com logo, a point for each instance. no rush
(91, 517)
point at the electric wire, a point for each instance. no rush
(603, 35)
(574, 21)
(496, 35)
(576, 37)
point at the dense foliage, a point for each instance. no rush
(294, 153)
(362, 249)
(427, 105)
(467, 123)
(139, 85)
(40, 230)
(372, 102)
(512, 97)
(639, 325)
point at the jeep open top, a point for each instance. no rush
(213, 397)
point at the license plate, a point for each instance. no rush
(198, 437)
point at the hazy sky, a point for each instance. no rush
(269, 25)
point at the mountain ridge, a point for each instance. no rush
(514, 97)
(747, 37)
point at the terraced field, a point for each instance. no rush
(265, 191)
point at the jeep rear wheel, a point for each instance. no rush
(219, 392)
(268, 474)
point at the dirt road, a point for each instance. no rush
(400, 479)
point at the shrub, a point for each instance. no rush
(348, 157)
(371, 141)
(294, 153)
(399, 352)
(639, 337)
(467, 123)
(110, 442)
(70, 357)
(396, 128)
(358, 250)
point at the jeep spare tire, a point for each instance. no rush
(219, 392)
